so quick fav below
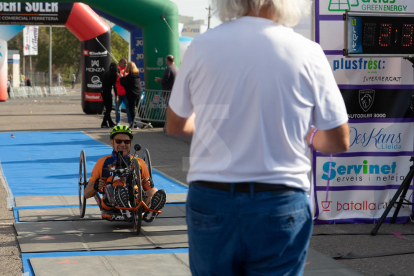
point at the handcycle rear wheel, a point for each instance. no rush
(82, 183)
(136, 192)
(146, 157)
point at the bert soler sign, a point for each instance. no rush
(34, 13)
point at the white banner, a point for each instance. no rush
(361, 204)
(338, 7)
(30, 39)
(371, 71)
(362, 171)
(3, 70)
(381, 137)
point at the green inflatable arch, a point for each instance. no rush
(159, 22)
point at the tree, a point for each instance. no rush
(66, 51)
(119, 47)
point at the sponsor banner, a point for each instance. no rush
(381, 137)
(361, 205)
(93, 97)
(30, 37)
(33, 13)
(338, 7)
(94, 66)
(377, 103)
(137, 53)
(95, 62)
(371, 71)
(368, 171)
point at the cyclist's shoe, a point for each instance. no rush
(121, 200)
(157, 203)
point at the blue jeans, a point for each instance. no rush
(121, 99)
(264, 233)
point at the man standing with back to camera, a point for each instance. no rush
(250, 117)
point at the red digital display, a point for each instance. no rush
(407, 35)
(385, 35)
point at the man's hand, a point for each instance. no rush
(99, 184)
(117, 99)
(157, 79)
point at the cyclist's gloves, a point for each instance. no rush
(147, 183)
(96, 185)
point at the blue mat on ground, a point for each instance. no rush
(27, 268)
(47, 163)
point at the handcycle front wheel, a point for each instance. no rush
(135, 187)
(82, 183)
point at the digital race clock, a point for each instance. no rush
(379, 34)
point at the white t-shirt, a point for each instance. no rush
(256, 87)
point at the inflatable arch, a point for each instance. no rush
(157, 18)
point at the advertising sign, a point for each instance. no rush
(381, 137)
(350, 206)
(137, 53)
(369, 103)
(377, 93)
(368, 171)
(95, 61)
(371, 71)
(30, 39)
(355, 35)
(34, 13)
(338, 7)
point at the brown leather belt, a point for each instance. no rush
(242, 187)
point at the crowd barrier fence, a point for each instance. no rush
(152, 107)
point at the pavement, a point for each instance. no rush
(169, 155)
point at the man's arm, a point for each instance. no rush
(331, 141)
(179, 126)
(90, 190)
(166, 76)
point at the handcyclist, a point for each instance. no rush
(116, 192)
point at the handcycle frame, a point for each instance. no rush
(131, 175)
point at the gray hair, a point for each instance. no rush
(288, 12)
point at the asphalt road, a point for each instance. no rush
(169, 155)
(65, 114)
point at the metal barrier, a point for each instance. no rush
(36, 91)
(19, 92)
(55, 91)
(152, 107)
(11, 94)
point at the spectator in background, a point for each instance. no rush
(28, 82)
(167, 80)
(132, 84)
(73, 81)
(8, 86)
(247, 206)
(121, 98)
(108, 82)
(59, 79)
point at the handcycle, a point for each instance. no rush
(131, 175)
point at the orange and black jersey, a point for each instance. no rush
(108, 162)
